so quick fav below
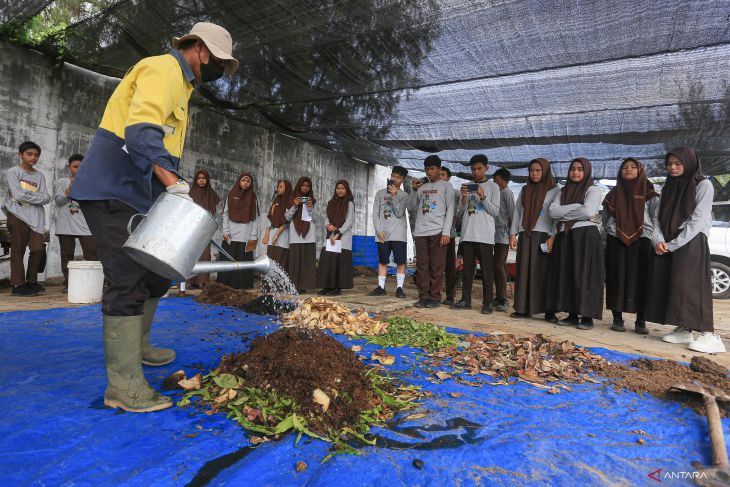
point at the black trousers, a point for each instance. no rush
(129, 283)
(485, 254)
(451, 268)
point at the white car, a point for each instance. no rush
(720, 249)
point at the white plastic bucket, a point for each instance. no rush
(85, 281)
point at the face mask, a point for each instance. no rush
(210, 71)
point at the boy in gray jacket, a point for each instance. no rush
(389, 220)
(479, 206)
(23, 205)
(70, 222)
(434, 204)
(503, 223)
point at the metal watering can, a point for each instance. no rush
(171, 237)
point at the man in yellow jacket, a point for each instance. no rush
(134, 157)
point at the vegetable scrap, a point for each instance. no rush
(408, 332)
(322, 313)
(304, 381)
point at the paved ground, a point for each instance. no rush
(600, 336)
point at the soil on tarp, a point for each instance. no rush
(249, 301)
(296, 361)
(656, 377)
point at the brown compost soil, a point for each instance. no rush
(249, 301)
(295, 362)
(656, 377)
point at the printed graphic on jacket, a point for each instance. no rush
(474, 205)
(29, 186)
(427, 205)
(387, 208)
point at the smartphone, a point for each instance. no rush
(544, 248)
(424, 180)
(472, 187)
(304, 199)
(389, 183)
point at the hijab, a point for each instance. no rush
(678, 195)
(576, 192)
(242, 203)
(533, 195)
(205, 196)
(277, 212)
(626, 202)
(300, 225)
(337, 207)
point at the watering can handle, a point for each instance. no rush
(131, 220)
(222, 250)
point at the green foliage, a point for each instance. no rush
(407, 332)
(268, 413)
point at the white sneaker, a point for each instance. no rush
(679, 335)
(708, 342)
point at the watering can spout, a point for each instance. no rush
(262, 265)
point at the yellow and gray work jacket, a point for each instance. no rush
(144, 123)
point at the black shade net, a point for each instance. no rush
(391, 81)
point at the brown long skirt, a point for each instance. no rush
(237, 279)
(680, 289)
(335, 270)
(577, 273)
(533, 269)
(280, 255)
(303, 265)
(627, 268)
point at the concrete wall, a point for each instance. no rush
(60, 107)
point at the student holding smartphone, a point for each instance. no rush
(479, 209)
(389, 220)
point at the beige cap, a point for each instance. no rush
(216, 39)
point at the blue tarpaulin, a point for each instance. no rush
(57, 432)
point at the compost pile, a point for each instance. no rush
(656, 377)
(532, 359)
(222, 295)
(251, 302)
(323, 313)
(298, 379)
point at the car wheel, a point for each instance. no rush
(720, 274)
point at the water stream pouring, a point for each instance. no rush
(173, 234)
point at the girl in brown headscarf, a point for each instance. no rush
(627, 220)
(278, 245)
(240, 230)
(203, 194)
(680, 290)
(577, 261)
(335, 268)
(532, 235)
(302, 236)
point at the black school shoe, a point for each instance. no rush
(519, 315)
(640, 328)
(334, 292)
(399, 293)
(618, 325)
(421, 303)
(448, 301)
(23, 291)
(487, 309)
(501, 305)
(35, 287)
(461, 305)
(569, 321)
(585, 323)
(324, 292)
(432, 303)
(378, 291)
(551, 318)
